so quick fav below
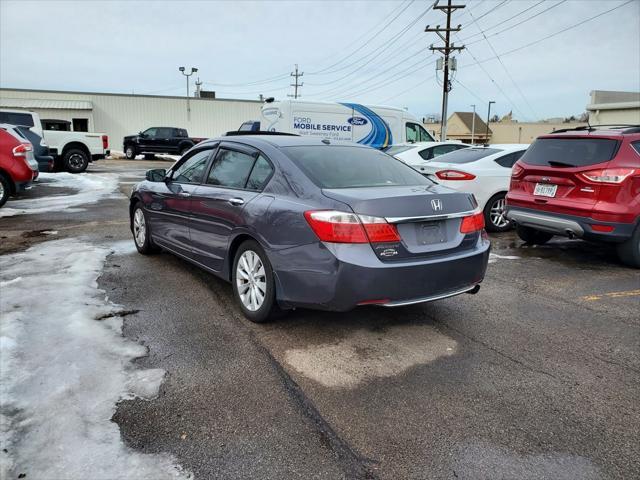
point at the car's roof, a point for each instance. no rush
(509, 146)
(427, 144)
(283, 141)
(596, 132)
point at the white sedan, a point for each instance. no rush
(483, 171)
(418, 154)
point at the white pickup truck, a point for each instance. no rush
(71, 151)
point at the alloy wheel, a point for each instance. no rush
(76, 161)
(251, 280)
(139, 228)
(497, 213)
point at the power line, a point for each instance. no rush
(504, 67)
(492, 10)
(506, 20)
(410, 88)
(374, 54)
(324, 70)
(519, 23)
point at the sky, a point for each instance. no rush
(538, 59)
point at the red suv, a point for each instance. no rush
(18, 167)
(580, 183)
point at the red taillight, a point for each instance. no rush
(454, 175)
(343, 227)
(105, 142)
(516, 171)
(609, 175)
(602, 228)
(22, 149)
(472, 223)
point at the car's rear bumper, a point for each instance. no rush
(571, 225)
(341, 277)
(100, 156)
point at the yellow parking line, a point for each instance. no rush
(628, 293)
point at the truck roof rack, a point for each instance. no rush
(626, 128)
(236, 133)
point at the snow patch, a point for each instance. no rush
(90, 188)
(63, 371)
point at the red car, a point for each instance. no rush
(18, 167)
(580, 183)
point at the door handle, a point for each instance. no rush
(184, 194)
(236, 201)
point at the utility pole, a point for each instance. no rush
(446, 50)
(198, 85)
(473, 124)
(488, 117)
(187, 75)
(296, 75)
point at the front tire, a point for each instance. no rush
(141, 233)
(5, 189)
(253, 283)
(75, 160)
(533, 236)
(494, 214)
(130, 152)
(629, 251)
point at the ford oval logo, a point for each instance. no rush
(357, 121)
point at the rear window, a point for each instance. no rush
(349, 167)
(570, 152)
(398, 149)
(467, 155)
(14, 118)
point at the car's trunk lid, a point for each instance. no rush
(427, 217)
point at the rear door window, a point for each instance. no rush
(570, 152)
(231, 169)
(335, 166)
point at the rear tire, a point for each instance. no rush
(533, 236)
(130, 152)
(75, 160)
(494, 214)
(253, 283)
(5, 189)
(141, 233)
(629, 251)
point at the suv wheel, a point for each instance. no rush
(5, 189)
(130, 152)
(253, 284)
(75, 160)
(494, 214)
(533, 236)
(629, 251)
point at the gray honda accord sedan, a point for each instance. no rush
(302, 222)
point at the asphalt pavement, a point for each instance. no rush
(535, 377)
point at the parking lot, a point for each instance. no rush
(536, 376)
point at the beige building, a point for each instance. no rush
(118, 115)
(459, 126)
(614, 108)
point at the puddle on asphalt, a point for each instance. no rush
(366, 354)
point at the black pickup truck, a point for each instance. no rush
(158, 140)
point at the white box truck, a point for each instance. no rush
(378, 127)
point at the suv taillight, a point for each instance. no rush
(21, 150)
(343, 227)
(516, 171)
(609, 175)
(105, 142)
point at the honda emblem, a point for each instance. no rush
(436, 204)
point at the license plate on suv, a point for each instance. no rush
(545, 190)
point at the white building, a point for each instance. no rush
(614, 107)
(118, 115)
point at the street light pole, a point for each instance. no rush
(473, 124)
(488, 116)
(187, 75)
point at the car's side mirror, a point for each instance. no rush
(156, 175)
(142, 134)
